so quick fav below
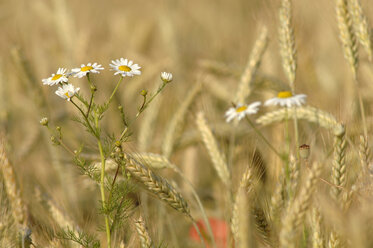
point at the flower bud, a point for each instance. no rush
(44, 121)
(144, 92)
(166, 77)
(304, 151)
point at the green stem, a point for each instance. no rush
(115, 89)
(102, 189)
(151, 99)
(85, 117)
(93, 90)
(263, 138)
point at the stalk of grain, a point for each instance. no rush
(211, 145)
(364, 153)
(156, 184)
(277, 198)
(294, 175)
(59, 216)
(262, 225)
(18, 207)
(298, 208)
(349, 43)
(287, 43)
(240, 209)
(361, 26)
(8, 229)
(334, 240)
(339, 167)
(347, 36)
(177, 120)
(142, 231)
(152, 160)
(12, 189)
(317, 235)
(244, 87)
(339, 180)
(307, 113)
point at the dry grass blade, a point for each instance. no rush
(361, 27)
(244, 88)
(216, 156)
(347, 36)
(307, 113)
(146, 241)
(156, 184)
(287, 42)
(297, 209)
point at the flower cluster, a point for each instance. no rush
(284, 99)
(123, 67)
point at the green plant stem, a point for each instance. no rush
(93, 90)
(144, 106)
(115, 89)
(102, 189)
(86, 118)
(263, 138)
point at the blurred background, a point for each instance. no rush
(201, 42)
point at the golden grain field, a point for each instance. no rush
(168, 123)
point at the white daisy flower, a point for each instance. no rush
(85, 69)
(166, 77)
(286, 98)
(125, 67)
(67, 91)
(241, 110)
(59, 77)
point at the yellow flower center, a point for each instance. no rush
(241, 109)
(56, 77)
(124, 68)
(284, 94)
(67, 94)
(86, 68)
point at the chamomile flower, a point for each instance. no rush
(166, 77)
(67, 91)
(85, 69)
(241, 110)
(286, 98)
(59, 77)
(125, 67)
